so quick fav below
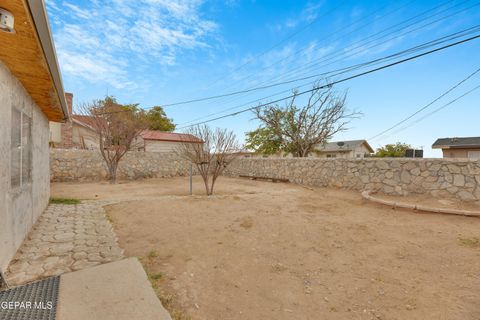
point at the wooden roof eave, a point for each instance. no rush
(30, 56)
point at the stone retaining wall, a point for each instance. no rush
(87, 165)
(437, 177)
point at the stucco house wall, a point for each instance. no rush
(358, 152)
(161, 146)
(461, 153)
(84, 138)
(20, 206)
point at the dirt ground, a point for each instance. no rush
(262, 250)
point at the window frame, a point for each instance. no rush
(25, 146)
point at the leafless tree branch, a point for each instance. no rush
(218, 149)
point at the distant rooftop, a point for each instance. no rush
(338, 146)
(452, 143)
(169, 136)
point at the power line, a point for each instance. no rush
(317, 63)
(426, 106)
(341, 80)
(472, 29)
(435, 111)
(280, 42)
(335, 32)
(360, 45)
(348, 69)
(359, 41)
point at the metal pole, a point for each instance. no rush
(191, 174)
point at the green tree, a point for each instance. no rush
(393, 150)
(158, 120)
(263, 140)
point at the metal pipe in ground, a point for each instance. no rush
(191, 178)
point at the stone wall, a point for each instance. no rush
(88, 165)
(437, 177)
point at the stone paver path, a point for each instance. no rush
(65, 238)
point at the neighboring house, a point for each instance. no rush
(76, 133)
(343, 149)
(459, 147)
(31, 94)
(165, 142)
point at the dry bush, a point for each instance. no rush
(217, 150)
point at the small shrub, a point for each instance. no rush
(156, 276)
(470, 242)
(152, 254)
(64, 201)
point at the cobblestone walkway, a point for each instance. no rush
(65, 238)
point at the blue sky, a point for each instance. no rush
(155, 52)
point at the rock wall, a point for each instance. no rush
(88, 165)
(437, 177)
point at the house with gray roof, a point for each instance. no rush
(344, 149)
(466, 148)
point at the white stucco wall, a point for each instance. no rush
(20, 207)
(159, 146)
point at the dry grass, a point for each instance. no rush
(470, 242)
(261, 250)
(150, 263)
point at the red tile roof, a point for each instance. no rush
(169, 136)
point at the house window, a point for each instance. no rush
(21, 149)
(359, 155)
(331, 155)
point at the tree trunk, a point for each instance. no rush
(112, 168)
(212, 185)
(205, 181)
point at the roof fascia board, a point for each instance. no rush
(42, 27)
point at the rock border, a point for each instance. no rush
(366, 195)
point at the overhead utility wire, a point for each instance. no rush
(279, 83)
(343, 71)
(361, 46)
(341, 80)
(434, 111)
(317, 63)
(280, 42)
(425, 107)
(344, 35)
(332, 34)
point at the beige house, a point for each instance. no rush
(164, 142)
(344, 149)
(76, 133)
(31, 95)
(467, 148)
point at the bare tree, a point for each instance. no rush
(217, 149)
(300, 129)
(117, 127)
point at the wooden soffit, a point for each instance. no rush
(26, 56)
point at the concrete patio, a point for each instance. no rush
(114, 291)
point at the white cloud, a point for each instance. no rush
(309, 13)
(100, 41)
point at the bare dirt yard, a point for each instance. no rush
(262, 250)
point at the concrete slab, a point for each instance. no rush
(113, 291)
